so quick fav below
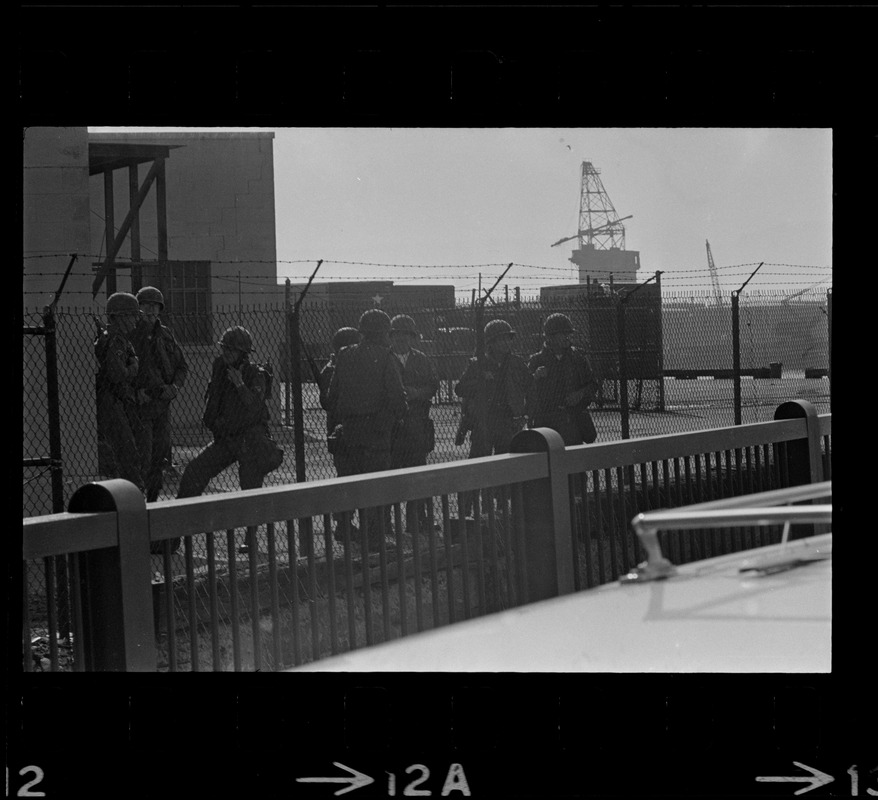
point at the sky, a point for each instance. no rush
(451, 204)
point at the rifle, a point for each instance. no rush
(100, 336)
(315, 370)
(466, 417)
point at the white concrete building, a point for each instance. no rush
(191, 213)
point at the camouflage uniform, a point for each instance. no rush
(163, 370)
(366, 396)
(496, 406)
(236, 418)
(413, 435)
(117, 416)
(568, 372)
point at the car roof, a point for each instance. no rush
(763, 610)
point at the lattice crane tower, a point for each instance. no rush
(599, 224)
(601, 255)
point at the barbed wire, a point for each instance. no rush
(128, 260)
(251, 279)
(42, 474)
(672, 278)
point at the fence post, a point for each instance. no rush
(117, 607)
(623, 366)
(804, 461)
(661, 344)
(288, 369)
(55, 455)
(548, 532)
(736, 356)
(298, 410)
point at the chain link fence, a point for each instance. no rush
(666, 364)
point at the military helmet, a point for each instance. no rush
(122, 303)
(374, 321)
(496, 328)
(345, 336)
(149, 294)
(558, 323)
(237, 338)
(402, 322)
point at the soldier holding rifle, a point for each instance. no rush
(117, 413)
(163, 371)
(494, 387)
(563, 385)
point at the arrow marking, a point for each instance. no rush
(356, 779)
(816, 778)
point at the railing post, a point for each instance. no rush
(548, 533)
(829, 340)
(804, 460)
(117, 607)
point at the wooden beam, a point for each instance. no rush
(136, 271)
(123, 230)
(161, 208)
(109, 224)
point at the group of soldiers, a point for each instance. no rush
(377, 390)
(141, 368)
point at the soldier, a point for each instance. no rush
(163, 371)
(563, 385)
(117, 417)
(343, 338)
(414, 435)
(495, 392)
(237, 416)
(366, 397)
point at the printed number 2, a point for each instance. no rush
(410, 790)
(25, 791)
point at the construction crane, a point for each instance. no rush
(590, 232)
(599, 226)
(714, 278)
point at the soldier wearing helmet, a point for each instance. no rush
(237, 416)
(163, 370)
(344, 337)
(414, 435)
(494, 389)
(365, 398)
(118, 420)
(563, 384)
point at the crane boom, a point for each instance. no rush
(714, 278)
(591, 230)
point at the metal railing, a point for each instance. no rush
(762, 509)
(274, 577)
